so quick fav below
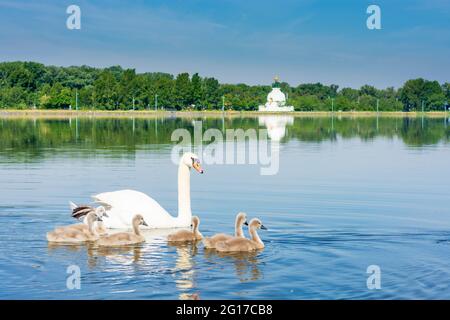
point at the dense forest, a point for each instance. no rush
(26, 85)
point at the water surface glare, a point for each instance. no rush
(349, 193)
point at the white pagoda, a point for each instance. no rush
(276, 100)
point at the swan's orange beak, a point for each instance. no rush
(197, 167)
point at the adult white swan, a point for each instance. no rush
(121, 206)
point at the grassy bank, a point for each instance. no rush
(154, 114)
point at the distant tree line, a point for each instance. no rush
(33, 85)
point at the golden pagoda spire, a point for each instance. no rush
(276, 83)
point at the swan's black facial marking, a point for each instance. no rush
(195, 161)
(196, 165)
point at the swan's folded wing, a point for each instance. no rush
(100, 202)
(115, 198)
(133, 202)
(124, 199)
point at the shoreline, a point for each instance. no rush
(63, 114)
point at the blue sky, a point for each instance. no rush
(238, 41)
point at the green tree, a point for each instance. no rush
(197, 91)
(317, 89)
(434, 96)
(105, 91)
(127, 89)
(307, 103)
(13, 97)
(183, 92)
(446, 90)
(58, 97)
(164, 88)
(211, 96)
(417, 91)
(367, 103)
(368, 91)
(350, 94)
(343, 104)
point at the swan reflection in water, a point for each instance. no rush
(276, 125)
(148, 253)
(121, 255)
(124, 254)
(245, 263)
(184, 272)
(58, 248)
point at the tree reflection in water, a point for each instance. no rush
(35, 139)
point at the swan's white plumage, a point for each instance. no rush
(121, 206)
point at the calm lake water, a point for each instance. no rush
(349, 193)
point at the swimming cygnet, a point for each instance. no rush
(186, 235)
(125, 238)
(71, 235)
(241, 219)
(81, 212)
(243, 244)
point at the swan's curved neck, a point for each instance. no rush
(90, 223)
(136, 228)
(255, 236)
(238, 232)
(184, 194)
(196, 231)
